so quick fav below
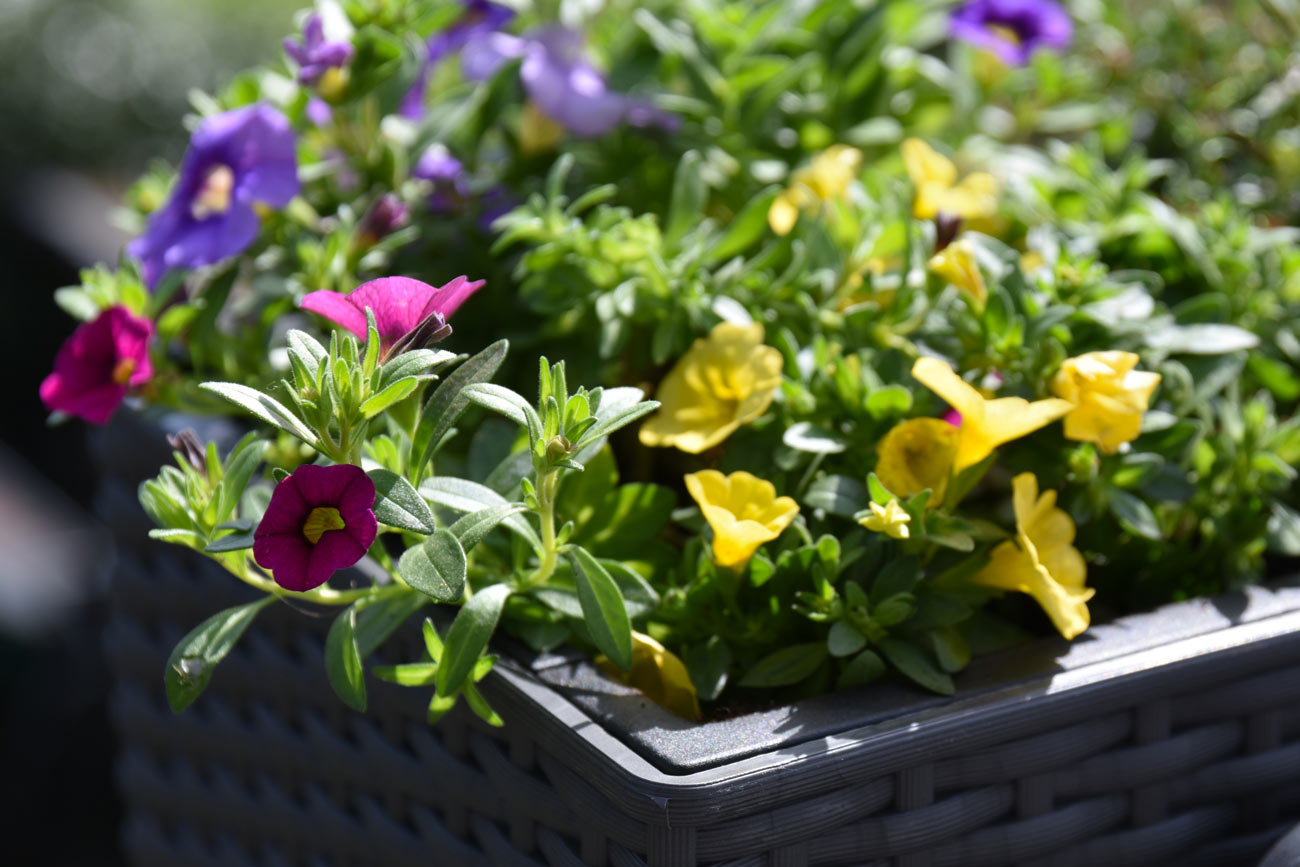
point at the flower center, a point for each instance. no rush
(213, 196)
(321, 519)
(1003, 32)
(122, 371)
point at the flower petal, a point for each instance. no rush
(336, 307)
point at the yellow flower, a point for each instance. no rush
(1044, 563)
(723, 381)
(957, 263)
(986, 424)
(891, 520)
(935, 178)
(537, 132)
(1109, 397)
(826, 177)
(658, 673)
(744, 512)
(917, 454)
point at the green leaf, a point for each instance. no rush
(627, 518)
(745, 228)
(399, 390)
(480, 706)
(787, 666)
(1134, 514)
(461, 495)
(708, 664)
(417, 363)
(410, 674)
(468, 637)
(1207, 339)
(880, 495)
(805, 437)
(397, 504)
(844, 639)
(1284, 530)
(474, 527)
(231, 542)
(190, 665)
(448, 402)
(864, 668)
(950, 649)
(690, 193)
(603, 609)
(892, 400)
(610, 418)
(436, 567)
(837, 495)
(899, 575)
(914, 664)
(378, 620)
(638, 596)
(343, 660)
(508, 403)
(265, 407)
(240, 465)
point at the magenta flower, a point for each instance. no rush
(480, 16)
(319, 520)
(400, 304)
(315, 54)
(1012, 29)
(561, 81)
(97, 364)
(235, 158)
(388, 214)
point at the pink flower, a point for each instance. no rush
(319, 520)
(97, 364)
(400, 304)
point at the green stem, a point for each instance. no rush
(547, 486)
(322, 595)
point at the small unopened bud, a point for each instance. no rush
(187, 443)
(432, 329)
(558, 449)
(387, 215)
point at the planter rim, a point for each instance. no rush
(1200, 641)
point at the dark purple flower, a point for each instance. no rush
(450, 180)
(561, 81)
(314, 54)
(400, 304)
(235, 159)
(386, 216)
(319, 520)
(97, 364)
(1012, 29)
(480, 16)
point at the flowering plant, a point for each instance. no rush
(912, 399)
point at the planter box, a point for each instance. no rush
(1169, 737)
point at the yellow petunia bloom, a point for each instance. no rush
(937, 191)
(958, 264)
(1042, 561)
(1109, 397)
(658, 673)
(986, 424)
(723, 381)
(917, 454)
(892, 519)
(744, 512)
(827, 177)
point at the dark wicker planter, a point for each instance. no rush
(1170, 737)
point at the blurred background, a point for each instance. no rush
(90, 92)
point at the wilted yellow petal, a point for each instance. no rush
(658, 673)
(958, 264)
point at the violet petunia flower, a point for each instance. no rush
(561, 81)
(319, 520)
(1012, 29)
(479, 17)
(97, 364)
(449, 178)
(400, 304)
(235, 158)
(315, 54)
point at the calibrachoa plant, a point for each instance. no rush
(878, 373)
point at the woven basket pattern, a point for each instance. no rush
(269, 768)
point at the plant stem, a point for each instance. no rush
(322, 595)
(547, 486)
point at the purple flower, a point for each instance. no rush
(235, 159)
(400, 304)
(319, 520)
(561, 81)
(386, 216)
(97, 364)
(1012, 29)
(480, 16)
(314, 54)
(450, 180)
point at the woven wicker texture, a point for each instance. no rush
(1198, 766)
